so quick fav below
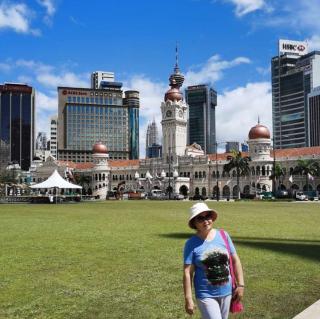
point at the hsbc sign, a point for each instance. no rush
(293, 47)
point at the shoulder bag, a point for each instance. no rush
(235, 306)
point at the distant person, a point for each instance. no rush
(206, 262)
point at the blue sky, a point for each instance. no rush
(227, 43)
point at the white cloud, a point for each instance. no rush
(314, 42)
(51, 80)
(45, 102)
(34, 66)
(211, 71)
(5, 67)
(244, 7)
(264, 71)
(46, 106)
(238, 111)
(16, 17)
(49, 6)
(48, 76)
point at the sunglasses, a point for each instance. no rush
(201, 218)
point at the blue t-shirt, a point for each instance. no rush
(210, 258)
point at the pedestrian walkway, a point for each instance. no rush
(312, 312)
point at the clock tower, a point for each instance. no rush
(174, 116)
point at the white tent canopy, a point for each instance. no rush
(55, 181)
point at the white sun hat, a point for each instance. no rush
(199, 208)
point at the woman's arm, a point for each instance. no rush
(187, 288)
(238, 272)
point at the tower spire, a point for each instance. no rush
(176, 78)
(176, 68)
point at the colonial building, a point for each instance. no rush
(186, 169)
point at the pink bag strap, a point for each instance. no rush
(224, 237)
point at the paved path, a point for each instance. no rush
(312, 312)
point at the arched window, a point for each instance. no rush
(200, 174)
(196, 175)
(263, 170)
(246, 189)
(226, 191)
(204, 191)
(197, 191)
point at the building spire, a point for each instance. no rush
(176, 79)
(176, 68)
(258, 119)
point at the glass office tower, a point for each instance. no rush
(314, 116)
(17, 129)
(202, 102)
(87, 116)
(293, 77)
(132, 102)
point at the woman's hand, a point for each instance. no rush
(189, 306)
(238, 293)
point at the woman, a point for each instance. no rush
(206, 259)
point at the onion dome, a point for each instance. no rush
(259, 131)
(99, 148)
(173, 94)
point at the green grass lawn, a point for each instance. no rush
(124, 259)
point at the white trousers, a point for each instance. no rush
(214, 308)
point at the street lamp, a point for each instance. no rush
(274, 170)
(217, 186)
(217, 171)
(274, 166)
(169, 188)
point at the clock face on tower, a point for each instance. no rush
(168, 113)
(180, 113)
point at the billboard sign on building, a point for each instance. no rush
(293, 47)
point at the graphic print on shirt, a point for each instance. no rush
(216, 264)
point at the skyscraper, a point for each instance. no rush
(232, 146)
(17, 125)
(152, 134)
(100, 79)
(86, 116)
(41, 141)
(202, 102)
(53, 136)
(294, 74)
(153, 149)
(314, 117)
(132, 102)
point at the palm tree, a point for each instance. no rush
(241, 164)
(307, 167)
(277, 174)
(82, 180)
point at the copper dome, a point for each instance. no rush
(173, 94)
(99, 148)
(259, 131)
